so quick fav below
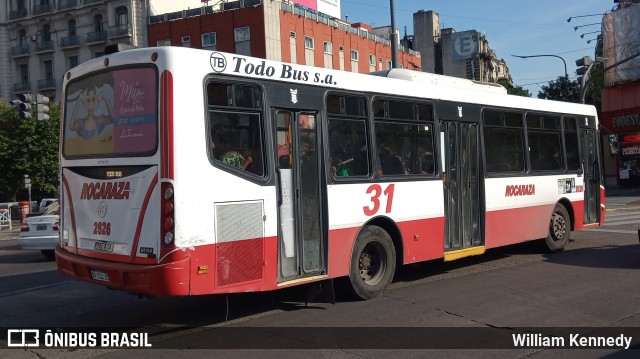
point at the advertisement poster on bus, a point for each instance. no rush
(112, 113)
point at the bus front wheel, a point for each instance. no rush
(373, 262)
(559, 229)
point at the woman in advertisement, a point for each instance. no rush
(91, 124)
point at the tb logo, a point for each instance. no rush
(218, 62)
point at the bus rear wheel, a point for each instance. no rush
(373, 262)
(559, 229)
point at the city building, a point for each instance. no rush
(620, 116)
(44, 38)
(281, 31)
(464, 54)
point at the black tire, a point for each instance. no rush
(48, 253)
(373, 262)
(559, 229)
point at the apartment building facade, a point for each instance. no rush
(279, 31)
(44, 38)
(464, 54)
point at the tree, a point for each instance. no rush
(28, 147)
(561, 89)
(514, 90)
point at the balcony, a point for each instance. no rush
(22, 87)
(122, 30)
(17, 14)
(41, 9)
(20, 50)
(67, 4)
(44, 46)
(70, 42)
(96, 37)
(46, 84)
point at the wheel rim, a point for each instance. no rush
(558, 226)
(372, 263)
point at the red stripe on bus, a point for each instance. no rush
(166, 124)
(143, 211)
(71, 213)
(517, 225)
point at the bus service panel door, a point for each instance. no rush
(591, 175)
(461, 181)
(300, 244)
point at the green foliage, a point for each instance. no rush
(514, 90)
(561, 89)
(28, 147)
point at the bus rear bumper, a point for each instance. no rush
(167, 279)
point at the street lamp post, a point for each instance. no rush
(574, 17)
(575, 28)
(587, 33)
(394, 38)
(564, 62)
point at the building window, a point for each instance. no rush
(242, 37)
(121, 16)
(46, 33)
(97, 23)
(308, 42)
(328, 48)
(241, 34)
(292, 34)
(24, 73)
(354, 55)
(22, 36)
(48, 69)
(73, 61)
(72, 28)
(165, 42)
(20, 5)
(372, 60)
(186, 41)
(388, 64)
(209, 40)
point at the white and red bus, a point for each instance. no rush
(189, 172)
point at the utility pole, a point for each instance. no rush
(394, 37)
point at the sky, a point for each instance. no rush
(512, 27)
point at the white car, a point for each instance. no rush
(41, 232)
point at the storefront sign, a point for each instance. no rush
(626, 121)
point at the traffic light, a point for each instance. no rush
(24, 105)
(584, 64)
(42, 107)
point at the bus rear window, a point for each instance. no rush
(112, 114)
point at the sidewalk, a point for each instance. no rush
(13, 233)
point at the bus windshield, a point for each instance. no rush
(112, 114)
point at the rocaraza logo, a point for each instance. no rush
(218, 62)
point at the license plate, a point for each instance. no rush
(103, 247)
(100, 275)
(41, 227)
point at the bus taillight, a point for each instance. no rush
(167, 219)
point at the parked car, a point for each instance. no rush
(40, 232)
(45, 202)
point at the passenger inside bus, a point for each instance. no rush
(231, 157)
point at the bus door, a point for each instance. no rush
(300, 241)
(461, 181)
(591, 169)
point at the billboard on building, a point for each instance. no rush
(329, 7)
(621, 30)
(466, 45)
